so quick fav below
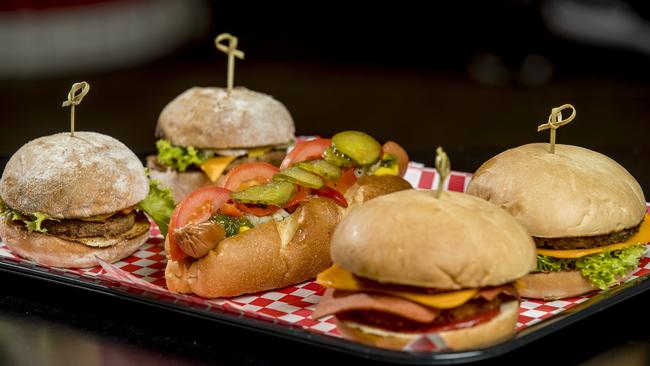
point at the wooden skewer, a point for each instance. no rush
(75, 96)
(443, 167)
(555, 121)
(231, 50)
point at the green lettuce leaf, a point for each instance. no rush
(550, 264)
(159, 205)
(179, 158)
(601, 269)
(604, 268)
(33, 222)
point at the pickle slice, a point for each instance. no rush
(275, 193)
(336, 158)
(357, 145)
(299, 176)
(321, 168)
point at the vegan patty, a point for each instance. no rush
(586, 242)
(112, 226)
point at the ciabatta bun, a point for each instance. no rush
(67, 177)
(54, 251)
(212, 118)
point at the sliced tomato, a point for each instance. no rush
(248, 174)
(306, 150)
(257, 210)
(197, 207)
(346, 181)
(393, 148)
(229, 209)
(332, 194)
(298, 197)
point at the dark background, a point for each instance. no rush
(458, 74)
(476, 77)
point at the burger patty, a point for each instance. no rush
(273, 157)
(397, 323)
(586, 242)
(112, 226)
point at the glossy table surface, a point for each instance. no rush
(46, 324)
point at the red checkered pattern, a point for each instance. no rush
(142, 274)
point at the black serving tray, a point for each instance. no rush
(530, 334)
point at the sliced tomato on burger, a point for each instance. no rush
(197, 207)
(332, 194)
(306, 150)
(346, 181)
(247, 175)
(393, 148)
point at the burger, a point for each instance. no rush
(205, 132)
(584, 210)
(67, 200)
(409, 265)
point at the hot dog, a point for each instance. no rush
(268, 228)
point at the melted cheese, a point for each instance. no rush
(214, 167)
(641, 237)
(341, 279)
(257, 152)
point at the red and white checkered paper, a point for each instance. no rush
(143, 274)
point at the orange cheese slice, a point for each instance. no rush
(257, 152)
(214, 167)
(341, 279)
(641, 237)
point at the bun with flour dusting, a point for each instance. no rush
(67, 200)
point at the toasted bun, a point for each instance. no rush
(53, 251)
(77, 176)
(556, 285)
(211, 118)
(496, 330)
(412, 238)
(181, 183)
(574, 192)
(269, 256)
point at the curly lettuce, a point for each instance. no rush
(33, 222)
(179, 158)
(159, 205)
(602, 269)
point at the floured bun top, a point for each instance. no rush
(574, 192)
(78, 176)
(210, 118)
(448, 243)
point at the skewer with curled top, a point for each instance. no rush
(555, 121)
(75, 96)
(231, 50)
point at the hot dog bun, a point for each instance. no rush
(271, 255)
